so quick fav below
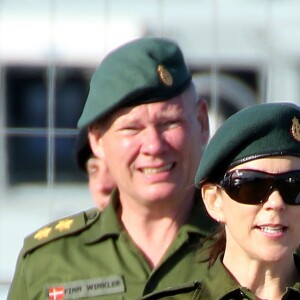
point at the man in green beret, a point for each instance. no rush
(145, 120)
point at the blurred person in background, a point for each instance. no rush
(100, 181)
(146, 121)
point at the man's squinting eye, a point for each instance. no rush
(129, 129)
(172, 124)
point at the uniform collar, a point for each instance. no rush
(218, 284)
(108, 224)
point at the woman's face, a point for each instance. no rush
(269, 231)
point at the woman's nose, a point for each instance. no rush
(275, 201)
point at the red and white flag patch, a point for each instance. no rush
(56, 293)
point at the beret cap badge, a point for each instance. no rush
(164, 75)
(295, 129)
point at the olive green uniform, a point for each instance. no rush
(91, 255)
(218, 284)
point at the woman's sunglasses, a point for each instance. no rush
(254, 187)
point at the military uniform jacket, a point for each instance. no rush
(218, 284)
(90, 256)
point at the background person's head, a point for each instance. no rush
(100, 182)
(145, 119)
(250, 181)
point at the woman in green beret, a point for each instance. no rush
(249, 178)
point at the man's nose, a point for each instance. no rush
(154, 141)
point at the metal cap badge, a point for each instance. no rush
(295, 129)
(164, 75)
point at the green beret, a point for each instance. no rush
(144, 70)
(263, 130)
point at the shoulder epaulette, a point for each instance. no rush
(60, 228)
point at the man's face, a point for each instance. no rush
(153, 150)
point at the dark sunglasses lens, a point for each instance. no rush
(290, 193)
(248, 188)
(253, 187)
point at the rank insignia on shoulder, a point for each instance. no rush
(42, 233)
(64, 224)
(60, 229)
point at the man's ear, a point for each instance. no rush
(202, 115)
(95, 140)
(212, 200)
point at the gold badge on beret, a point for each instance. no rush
(64, 224)
(295, 129)
(43, 233)
(164, 75)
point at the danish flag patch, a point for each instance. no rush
(56, 293)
